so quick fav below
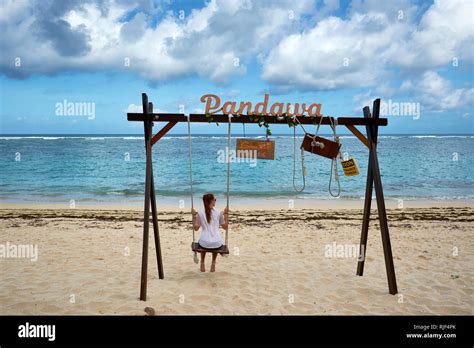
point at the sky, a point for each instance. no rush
(59, 55)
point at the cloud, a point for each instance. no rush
(431, 90)
(67, 41)
(445, 32)
(215, 42)
(298, 45)
(134, 108)
(376, 39)
(335, 53)
(437, 94)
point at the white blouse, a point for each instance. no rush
(210, 234)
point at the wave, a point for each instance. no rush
(218, 136)
(455, 136)
(441, 136)
(35, 137)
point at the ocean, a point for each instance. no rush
(111, 168)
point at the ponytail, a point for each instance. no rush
(207, 199)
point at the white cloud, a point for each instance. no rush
(437, 94)
(335, 53)
(297, 44)
(446, 31)
(431, 90)
(134, 108)
(214, 42)
(376, 38)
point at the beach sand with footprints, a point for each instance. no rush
(89, 262)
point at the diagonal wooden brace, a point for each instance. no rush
(359, 135)
(162, 132)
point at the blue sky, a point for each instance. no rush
(342, 54)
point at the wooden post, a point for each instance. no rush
(154, 212)
(374, 179)
(387, 247)
(146, 215)
(367, 205)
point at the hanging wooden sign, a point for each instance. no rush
(320, 146)
(255, 148)
(350, 167)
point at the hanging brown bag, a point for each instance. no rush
(320, 146)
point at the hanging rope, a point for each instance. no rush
(334, 163)
(303, 170)
(313, 143)
(196, 260)
(228, 180)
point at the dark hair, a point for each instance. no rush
(207, 199)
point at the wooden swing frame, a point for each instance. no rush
(371, 121)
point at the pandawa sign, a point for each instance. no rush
(213, 106)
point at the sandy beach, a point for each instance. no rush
(89, 261)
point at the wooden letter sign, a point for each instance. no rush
(320, 146)
(264, 149)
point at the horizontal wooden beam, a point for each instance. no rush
(163, 117)
(162, 132)
(359, 135)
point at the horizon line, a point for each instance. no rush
(223, 134)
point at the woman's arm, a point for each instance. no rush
(226, 219)
(196, 221)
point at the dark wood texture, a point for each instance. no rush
(265, 149)
(355, 121)
(367, 204)
(154, 212)
(330, 149)
(146, 214)
(197, 248)
(359, 135)
(162, 132)
(374, 180)
(387, 247)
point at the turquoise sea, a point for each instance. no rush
(111, 168)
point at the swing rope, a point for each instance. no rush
(303, 170)
(334, 163)
(196, 260)
(228, 180)
(191, 192)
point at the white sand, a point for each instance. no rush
(89, 263)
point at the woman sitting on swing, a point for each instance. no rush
(210, 219)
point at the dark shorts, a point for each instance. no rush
(209, 248)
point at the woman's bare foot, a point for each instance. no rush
(213, 267)
(203, 268)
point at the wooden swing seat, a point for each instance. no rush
(197, 248)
